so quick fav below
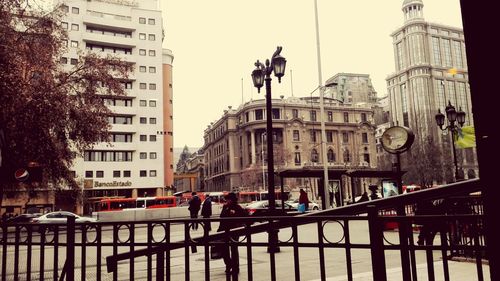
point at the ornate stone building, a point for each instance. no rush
(424, 53)
(236, 143)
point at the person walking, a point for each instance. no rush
(230, 254)
(194, 208)
(303, 199)
(206, 212)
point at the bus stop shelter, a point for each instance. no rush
(336, 174)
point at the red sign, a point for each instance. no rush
(21, 174)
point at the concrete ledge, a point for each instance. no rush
(149, 214)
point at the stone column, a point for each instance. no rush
(252, 140)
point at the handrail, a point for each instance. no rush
(278, 222)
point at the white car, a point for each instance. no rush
(295, 203)
(61, 217)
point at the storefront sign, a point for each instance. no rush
(112, 184)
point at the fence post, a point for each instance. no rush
(70, 249)
(377, 244)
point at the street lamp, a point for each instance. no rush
(261, 74)
(262, 155)
(453, 117)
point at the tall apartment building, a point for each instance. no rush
(139, 159)
(424, 53)
(235, 145)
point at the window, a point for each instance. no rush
(65, 8)
(152, 37)
(152, 86)
(329, 136)
(143, 138)
(142, 86)
(330, 116)
(126, 174)
(142, 20)
(346, 117)
(142, 52)
(363, 117)
(64, 60)
(313, 115)
(143, 120)
(116, 174)
(64, 25)
(297, 159)
(75, 27)
(120, 120)
(152, 69)
(296, 135)
(345, 137)
(120, 137)
(143, 155)
(152, 173)
(142, 103)
(313, 136)
(314, 156)
(259, 114)
(75, 10)
(152, 120)
(152, 155)
(152, 103)
(142, 36)
(74, 44)
(74, 61)
(152, 53)
(89, 174)
(366, 158)
(331, 156)
(295, 113)
(364, 137)
(143, 173)
(99, 174)
(152, 138)
(142, 68)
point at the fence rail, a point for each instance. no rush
(163, 249)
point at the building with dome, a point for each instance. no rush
(430, 71)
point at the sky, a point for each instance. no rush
(216, 43)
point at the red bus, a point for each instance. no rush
(116, 204)
(248, 196)
(156, 202)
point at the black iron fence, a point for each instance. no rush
(348, 241)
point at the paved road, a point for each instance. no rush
(309, 265)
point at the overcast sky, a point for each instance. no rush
(215, 44)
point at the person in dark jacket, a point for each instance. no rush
(206, 211)
(194, 208)
(303, 199)
(230, 254)
(364, 197)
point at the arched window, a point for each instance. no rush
(314, 156)
(331, 156)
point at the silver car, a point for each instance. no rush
(61, 217)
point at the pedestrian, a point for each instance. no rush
(303, 199)
(231, 209)
(194, 208)
(429, 228)
(206, 212)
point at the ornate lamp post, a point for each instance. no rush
(453, 117)
(261, 74)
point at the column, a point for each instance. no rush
(252, 140)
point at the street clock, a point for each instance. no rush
(397, 139)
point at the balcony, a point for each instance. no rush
(128, 110)
(125, 146)
(109, 40)
(107, 20)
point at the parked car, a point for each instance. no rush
(61, 217)
(261, 208)
(23, 218)
(295, 203)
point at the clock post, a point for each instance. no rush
(396, 140)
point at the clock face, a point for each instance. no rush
(397, 139)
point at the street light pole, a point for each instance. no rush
(262, 154)
(453, 116)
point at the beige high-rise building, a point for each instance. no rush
(235, 145)
(424, 53)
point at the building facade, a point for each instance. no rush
(235, 145)
(424, 54)
(138, 161)
(353, 88)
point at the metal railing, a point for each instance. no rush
(164, 249)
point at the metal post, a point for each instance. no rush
(70, 249)
(270, 157)
(453, 128)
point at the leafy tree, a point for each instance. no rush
(50, 112)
